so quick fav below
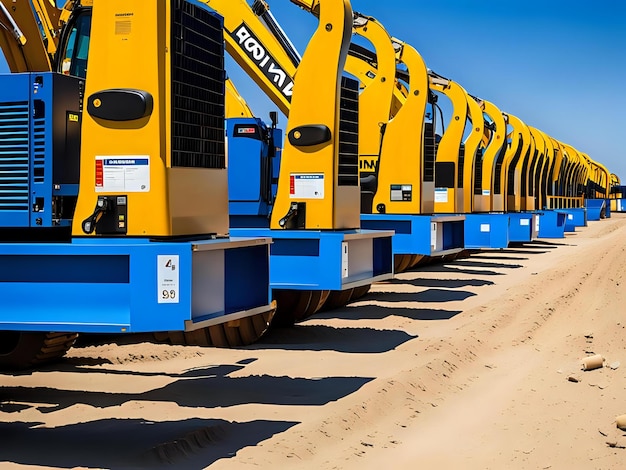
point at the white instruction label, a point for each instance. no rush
(344, 260)
(168, 279)
(441, 194)
(129, 174)
(486, 192)
(486, 228)
(524, 221)
(306, 186)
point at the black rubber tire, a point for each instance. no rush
(337, 299)
(26, 349)
(401, 263)
(415, 260)
(236, 333)
(292, 305)
(318, 298)
(359, 292)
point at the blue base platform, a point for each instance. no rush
(325, 260)
(595, 207)
(523, 226)
(426, 235)
(488, 230)
(552, 223)
(575, 217)
(132, 285)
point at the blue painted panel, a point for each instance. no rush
(247, 278)
(595, 208)
(309, 259)
(575, 217)
(77, 269)
(487, 230)
(521, 227)
(383, 256)
(552, 224)
(413, 232)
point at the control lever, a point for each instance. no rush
(295, 217)
(89, 224)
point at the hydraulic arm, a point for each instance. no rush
(256, 42)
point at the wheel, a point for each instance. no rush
(25, 349)
(337, 299)
(359, 292)
(318, 298)
(241, 332)
(292, 305)
(415, 260)
(401, 262)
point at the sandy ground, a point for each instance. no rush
(472, 364)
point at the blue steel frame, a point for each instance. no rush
(112, 286)
(325, 260)
(427, 235)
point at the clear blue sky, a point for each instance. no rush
(558, 65)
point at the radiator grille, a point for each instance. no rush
(197, 88)
(430, 151)
(348, 168)
(512, 165)
(533, 168)
(14, 156)
(461, 167)
(497, 183)
(478, 172)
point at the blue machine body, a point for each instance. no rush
(99, 284)
(119, 286)
(39, 149)
(254, 152)
(299, 259)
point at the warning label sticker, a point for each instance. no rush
(130, 174)
(306, 186)
(168, 280)
(441, 194)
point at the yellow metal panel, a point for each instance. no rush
(473, 143)
(450, 144)
(129, 49)
(403, 146)
(339, 206)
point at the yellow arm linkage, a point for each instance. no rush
(236, 105)
(258, 50)
(20, 38)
